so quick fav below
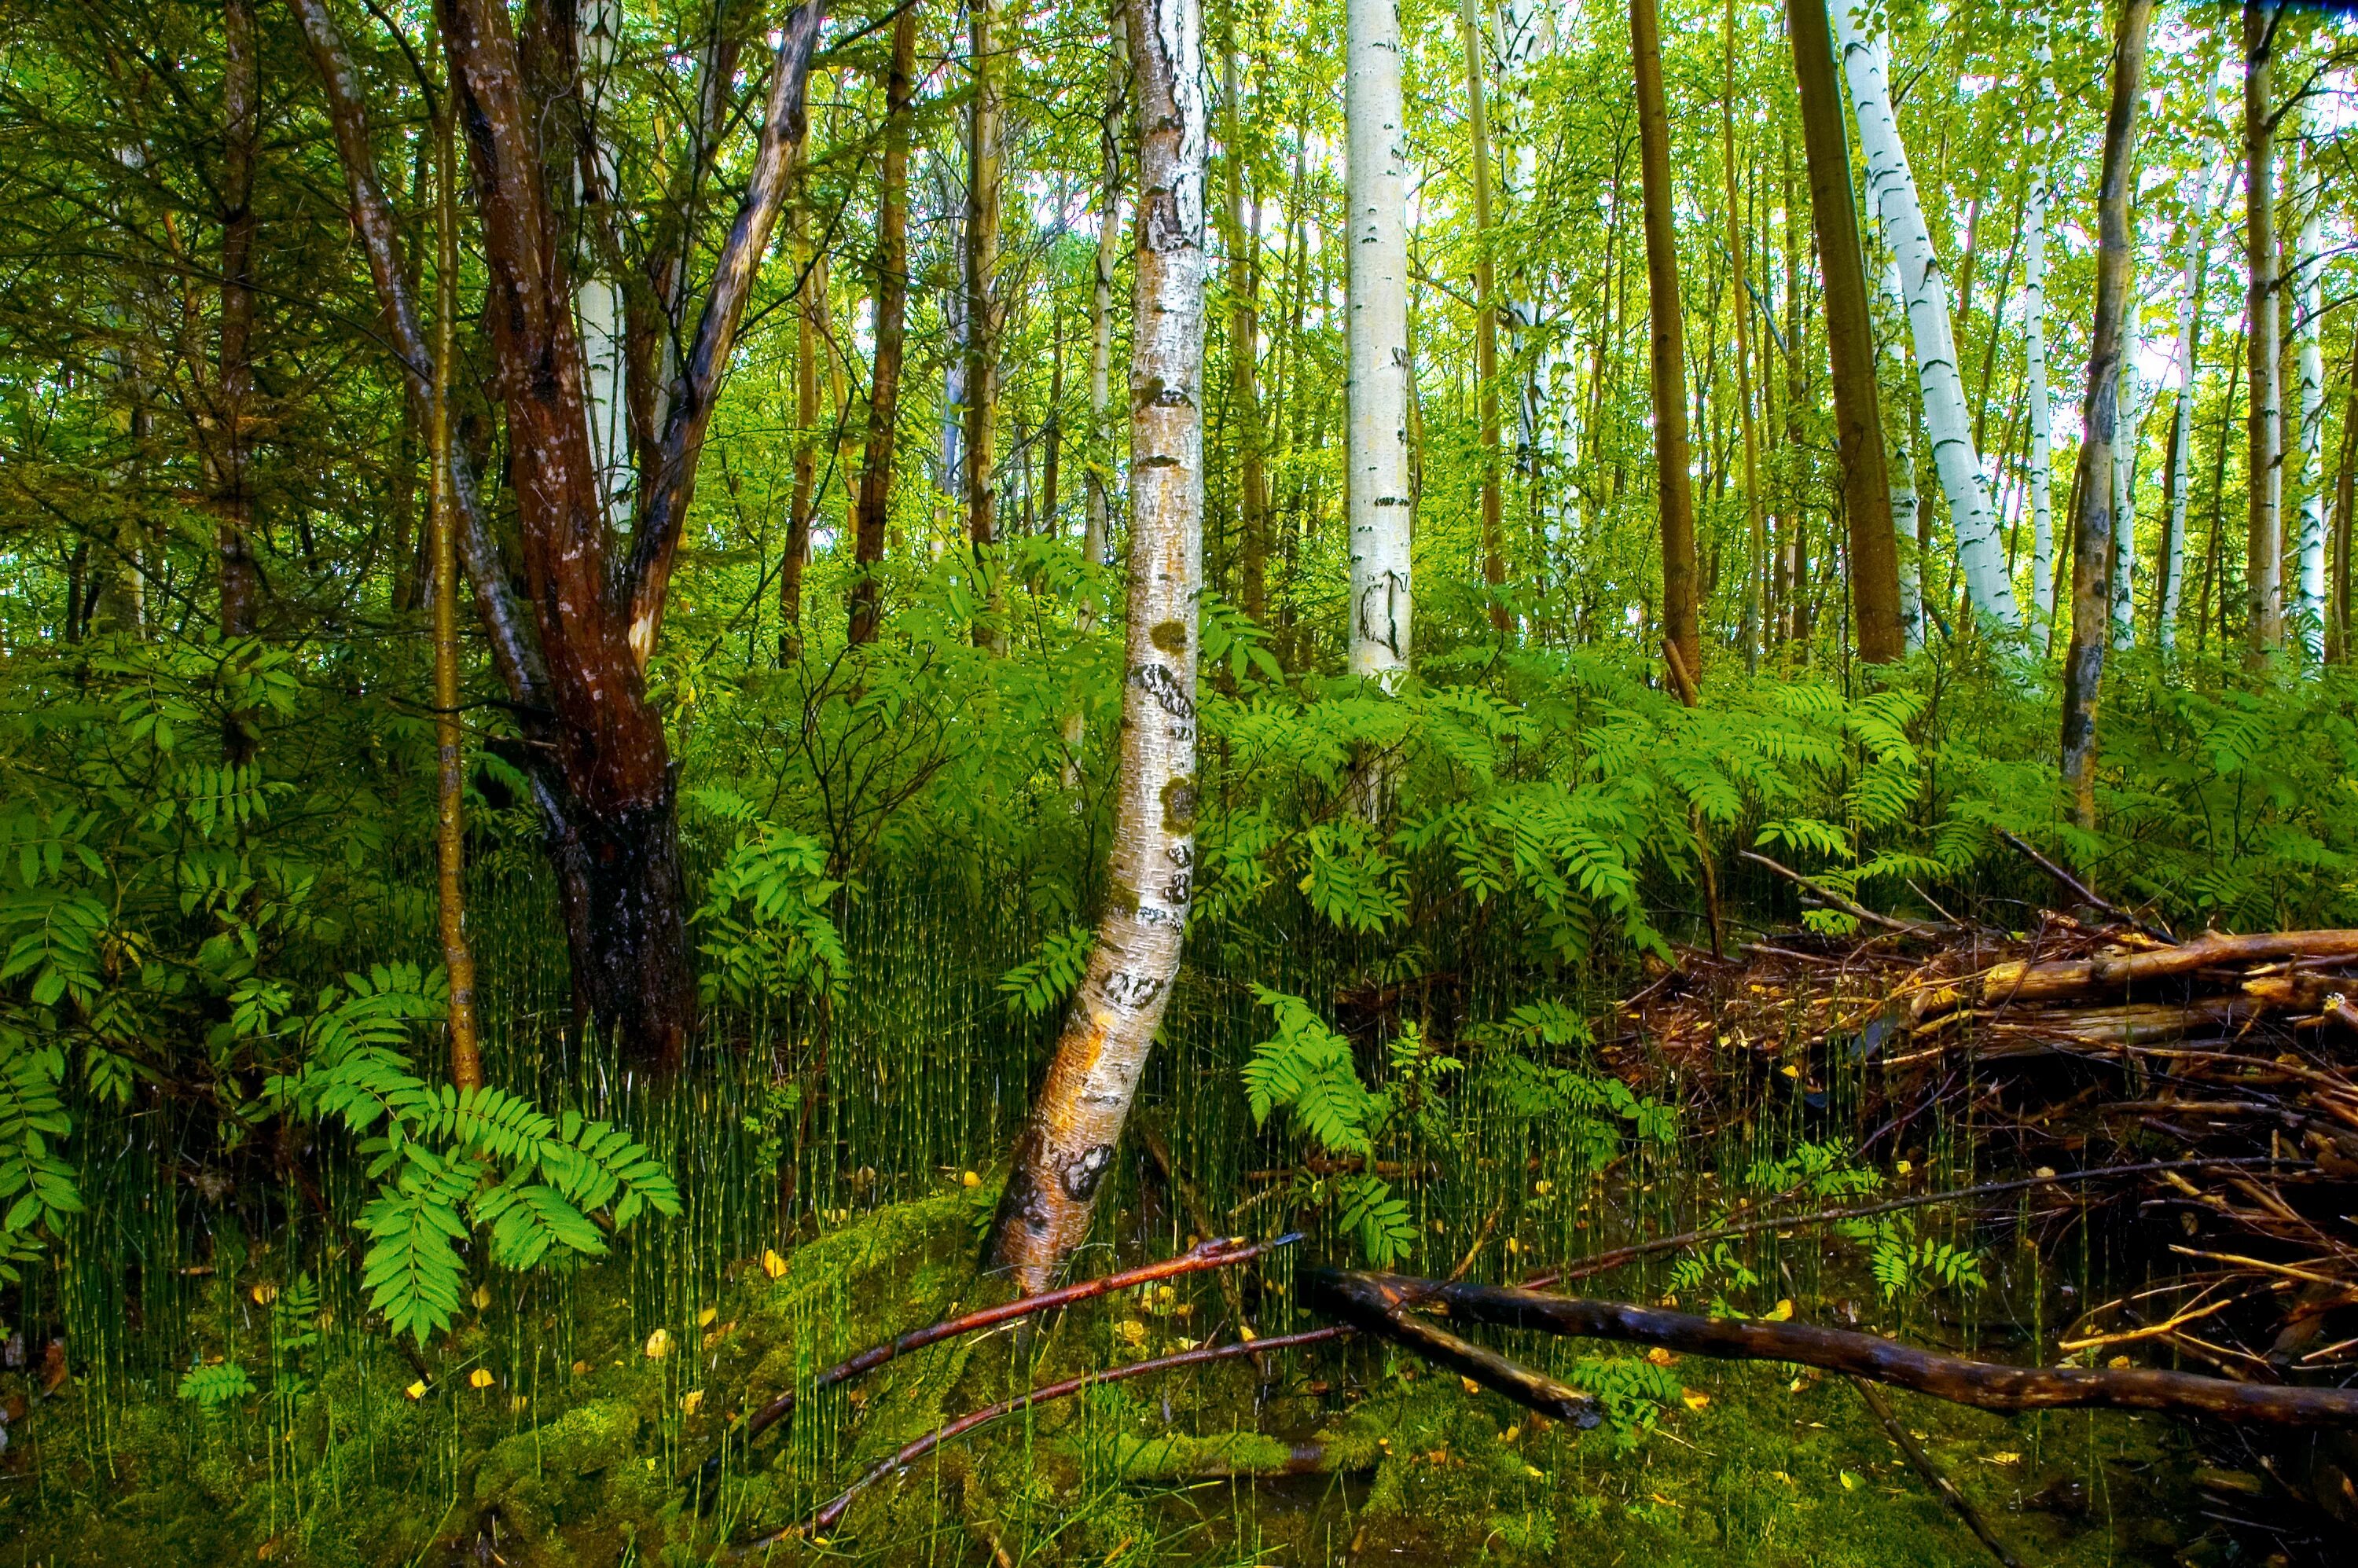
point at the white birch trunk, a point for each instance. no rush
(1068, 1145)
(1901, 459)
(2173, 538)
(2041, 463)
(2124, 455)
(1376, 454)
(1981, 554)
(2308, 304)
(597, 298)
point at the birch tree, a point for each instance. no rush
(2264, 425)
(2041, 459)
(2308, 305)
(1891, 187)
(2196, 269)
(1068, 1145)
(1377, 497)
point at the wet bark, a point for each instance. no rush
(1067, 1147)
(450, 820)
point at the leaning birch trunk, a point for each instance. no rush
(2034, 354)
(2181, 437)
(1891, 187)
(1377, 456)
(1068, 1145)
(1898, 435)
(597, 298)
(2092, 522)
(2308, 305)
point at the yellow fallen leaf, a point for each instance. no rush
(1131, 1331)
(1782, 1311)
(264, 1294)
(1851, 1483)
(2119, 1363)
(691, 1400)
(581, 1368)
(1534, 1473)
(483, 1297)
(1693, 1399)
(1471, 1386)
(772, 1264)
(1789, 1070)
(481, 1378)
(659, 1344)
(1511, 1434)
(415, 1391)
(1903, 1167)
(1661, 1356)
(2006, 1459)
(969, 1180)
(704, 1319)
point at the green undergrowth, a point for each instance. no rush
(1350, 1455)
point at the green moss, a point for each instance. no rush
(1177, 1458)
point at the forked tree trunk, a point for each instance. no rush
(1485, 324)
(1376, 459)
(2091, 521)
(1850, 342)
(2263, 428)
(979, 444)
(1891, 186)
(875, 504)
(450, 820)
(1068, 1145)
(1674, 492)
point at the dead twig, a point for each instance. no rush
(1851, 907)
(1922, 1462)
(2080, 890)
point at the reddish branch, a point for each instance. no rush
(1366, 1302)
(1219, 1253)
(1983, 1384)
(827, 1517)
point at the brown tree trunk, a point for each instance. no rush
(1880, 635)
(449, 822)
(2093, 565)
(2346, 494)
(891, 326)
(1675, 494)
(1068, 1144)
(240, 574)
(810, 325)
(2264, 567)
(1756, 522)
(983, 321)
(1486, 320)
(1242, 241)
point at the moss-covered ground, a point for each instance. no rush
(1348, 1455)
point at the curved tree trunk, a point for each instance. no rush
(1891, 186)
(2091, 520)
(1068, 1144)
(1674, 492)
(1377, 457)
(875, 504)
(1850, 341)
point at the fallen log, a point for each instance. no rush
(1361, 1301)
(2018, 983)
(2213, 948)
(1219, 1252)
(1983, 1384)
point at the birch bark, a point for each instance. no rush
(1068, 1145)
(598, 305)
(2181, 434)
(1902, 458)
(2263, 425)
(1891, 186)
(2308, 305)
(1378, 495)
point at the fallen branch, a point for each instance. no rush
(1851, 907)
(1983, 1384)
(1370, 1302)
(829, 1516)
(1922, 1462)
(1216, 1253)
(2087, 894)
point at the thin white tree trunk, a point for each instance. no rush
(2308, 305)
(598, 297)
(2041, 461)
(1096, 461)
(2189, 299)
(2124, 455)
(1068, 1145)
(1902, 461)
(1892, 187)
(1380, 504)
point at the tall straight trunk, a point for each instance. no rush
(2308, 305)
(1905, 507)
(597, 301)
(1052, 428)
(2130, 423)
(1850, 341)
(240, 574)
(2195, 273)
(982, 318)
(875, 506)
(2041, 462)
(1891, 186)
(2345, 500)
(1242, 240)
(1486, 323)
(1077, 1120)
(809, 324)
(1377, 456)
(1110, 232)
(2214, 554)
(2263, 524)
(1674, 488)
(2091, 520)
(450, 820)
(1756, 517)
